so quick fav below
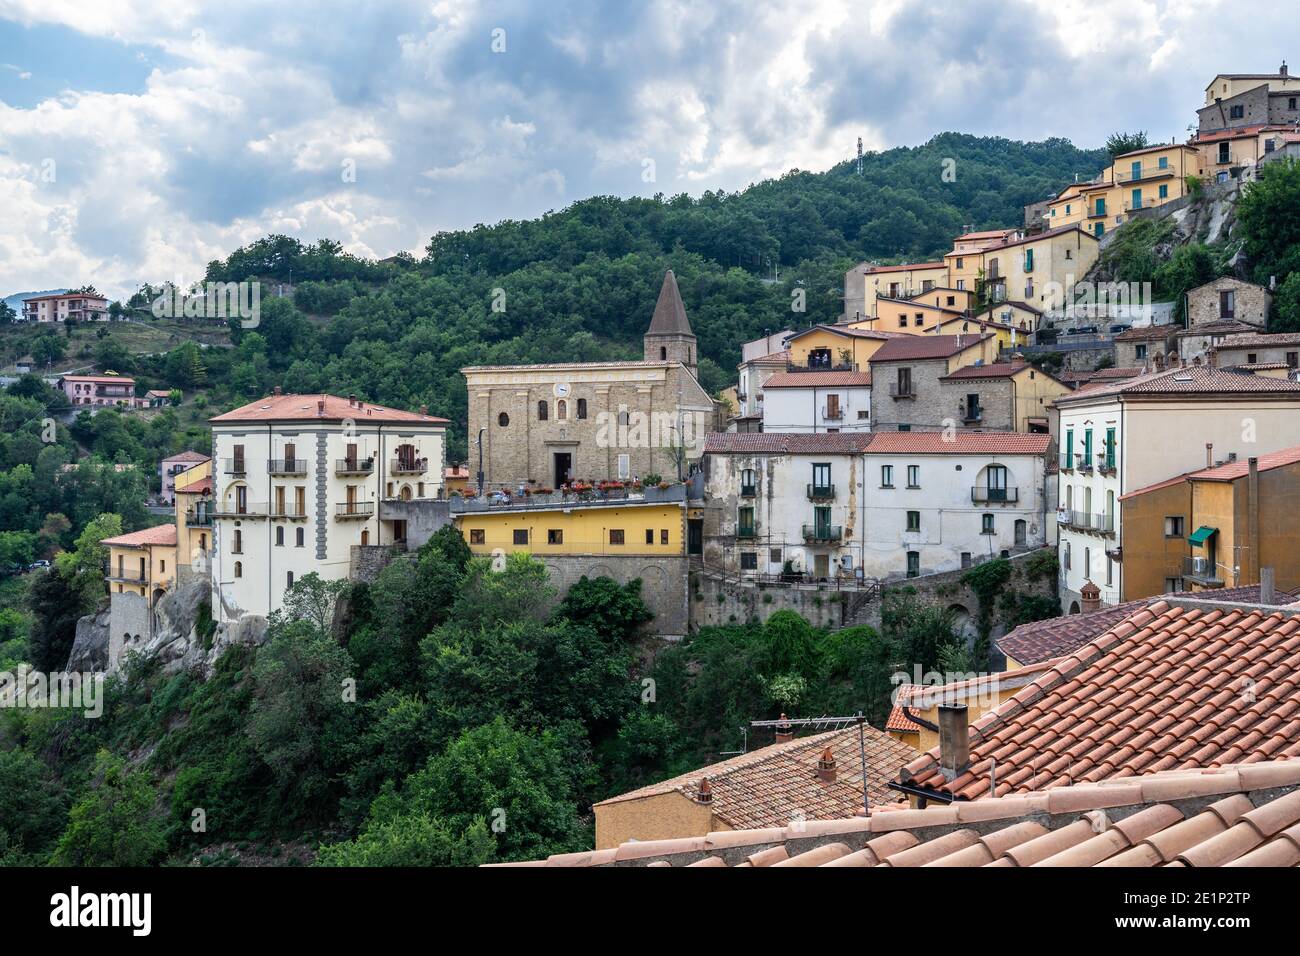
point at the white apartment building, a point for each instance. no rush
(778, 502)
(62, 306)
(1119, 438)
(300, 480)
(938, 502)
(804, 401)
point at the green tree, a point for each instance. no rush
(115, 823)
(1117, 144)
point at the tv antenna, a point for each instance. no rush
(859, 155)
(784, 723)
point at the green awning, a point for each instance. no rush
(1202, 535)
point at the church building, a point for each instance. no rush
(556, 424)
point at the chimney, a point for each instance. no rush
(1209, 454)
(784, 730)
(1090, 597)
(320, 407)
(954, 740)
(1282, 69)
(705, 793)
(1252, 520)
(826, 766)
(424, 409)
(1212, 357)
(1266, 592)
(276, 390)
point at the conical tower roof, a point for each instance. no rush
(670, 313)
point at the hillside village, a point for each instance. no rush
(1093, 488)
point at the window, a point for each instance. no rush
(886, 476)
(745, 522)
(299, 538)
(986, 524)
(555, 536)
(663, 535)
(476, 536)
(663, 354)
(1227, 304)
(649, 535)
(1292, 359)
(748, 561)
(1110, 449)
(1164, 191)
(1173, 585)
(1067, 556)
(1251, 358)
(582, 408)
(1236, 112)
(503, 419)
(748, 483)
(615, 535)
(162, 566)
(821, 479)
(952, 300)
(624, 467)
(966, 561)
(288, 580)
(961, 263)
(1110, 572)
(1163, 162)
(913, 563)
(279, 536)
(914, 476)
(774, 555)
(863, 414)
(1290, 103)
(902, 321)
(1029, 260)
(1174, 526)
(562, 410)
(237, 546)
(1087, 562)
(1140, 351)
(920, 319)
(904, 386)
(961, 285)
(239, 569)
(521, 536)
(1225, 152)
(543, 411)
(914, 521)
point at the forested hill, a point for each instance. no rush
(579, 284)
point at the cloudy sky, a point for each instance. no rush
(138, 140)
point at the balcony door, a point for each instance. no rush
(241, 499)
(997, 483)
(822, 519)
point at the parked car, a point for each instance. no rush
(38, 565)
(1082, 330)
(1120, 327)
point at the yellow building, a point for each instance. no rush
(964, 264)
(829, 347)
(915, 717)
(193, 520)
(865, 282)
(1141, 179)
(910, 316)
(613, 528)
(1039, 270)
(142, 562)
(1215, 528)
(1007, 336)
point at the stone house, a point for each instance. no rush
(907, 373)
(1250, 348)
(1011, 396)
(1228, 299)
(553, 424)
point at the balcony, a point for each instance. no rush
(822, 532)
(1144, 174)
(821, 492)
(1095, 213)
(748, 491)
(290, 510)
(408, 466)
(972, 415)
(901, 390)
(354, 509)
(287, 466)
(237, 510)
(983, 495)
(354, 466)
(746, 533)
(1086, 521)
(1067, 462)
(198, 519)
(234, 466)
(833, 414)
(122, 577)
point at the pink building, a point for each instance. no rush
(173, 466)
(99, 390)
(64, 306)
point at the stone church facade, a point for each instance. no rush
(549, 425)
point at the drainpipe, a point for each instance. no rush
(270, 571)
(1252, 522)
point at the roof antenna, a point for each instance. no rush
(822, 723)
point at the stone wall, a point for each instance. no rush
(423, 518)
(925, 409)
(663, 583)
(1251, 302)
(995, 402)
(718, 600)
(130, 626)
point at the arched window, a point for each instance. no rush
(543, 411)
(279, 535)
(239, 569)
(238, 547)
(503, 419)
(663, 354)
(562, 410)
(300, 538)
(623, 418)
(582, 408)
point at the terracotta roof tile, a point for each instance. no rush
(308, 408)
(785, 443)
(1189, 380)
(907, 348)
(959, 443)
(770, 786)
(1252, 339)
(163, 535)
(1130, 667)
(1222, 817)
(818, 380)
